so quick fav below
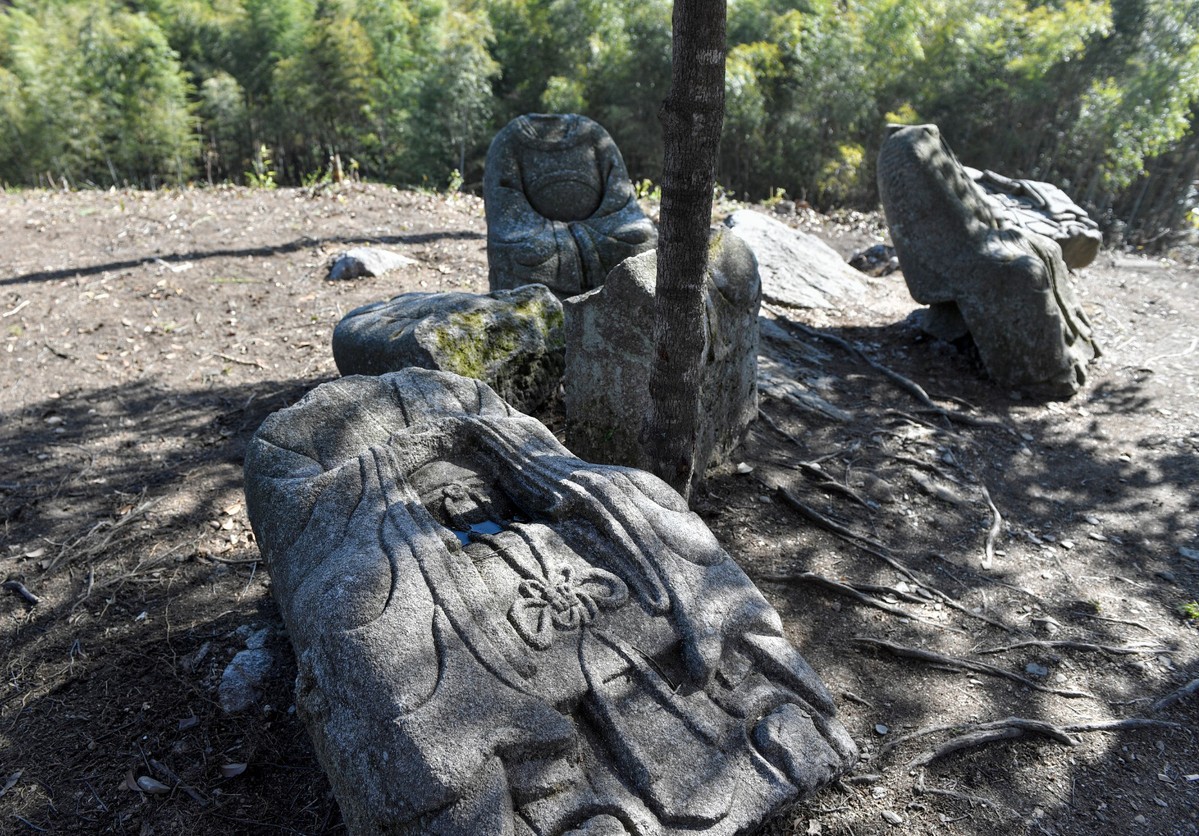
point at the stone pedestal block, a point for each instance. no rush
(609, 353)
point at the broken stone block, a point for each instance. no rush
(510, 339)
(496, 637)
(609, 357)
(1007, 288)
(366, 261)
(561, 210)
(797, 269)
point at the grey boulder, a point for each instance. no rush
(366, 261)
(510, 339)
(797, 269)
(495, 637)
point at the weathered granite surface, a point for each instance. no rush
(797, 269)
(495, 637)
(561, 210)
(609, 356)
(366, 261)
(1007, 288)
(510, 339)
(1042, 208)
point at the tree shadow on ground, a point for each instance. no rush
(299, 244)
(1094, 509)
(123, 515)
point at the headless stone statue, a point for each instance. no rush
(1007, 288)
(495, 637)
(560, 208)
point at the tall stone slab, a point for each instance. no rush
(512, 340)
(609, 354)
(1007, 288)
(561, 210)
(496, 637)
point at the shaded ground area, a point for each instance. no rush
(145, 337)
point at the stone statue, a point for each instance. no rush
(1007, 288)
(560, 208)
(495, 637)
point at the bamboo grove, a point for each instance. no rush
(1101, 98)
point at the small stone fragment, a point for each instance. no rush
(366, 261)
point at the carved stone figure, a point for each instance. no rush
(609, 356)
(560, 208)
(510, 339)
(1006, 288)
(495, 637)
(1042, 208)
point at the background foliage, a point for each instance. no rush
(1098, 96)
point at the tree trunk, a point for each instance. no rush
(692, 117)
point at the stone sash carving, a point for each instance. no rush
(495, 637)
(1008, 289)
(561, 210)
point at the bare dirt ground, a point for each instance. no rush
(146, 335)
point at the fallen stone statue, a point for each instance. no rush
(560, 208)
(1007, 288)
(495, 637)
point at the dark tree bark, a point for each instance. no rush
(692, 117)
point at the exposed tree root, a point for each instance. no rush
(851, 591)
(964, 664)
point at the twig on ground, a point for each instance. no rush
(993, 531)
(92, 543)
(849, 591)
(1012, 727)
(1169, 700)
(20, 590)
(961, 796)
(167, 773)
(872, 547)
(1069, 644)
(1129, 622)
(963, 664)
(231, 359)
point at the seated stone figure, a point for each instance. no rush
(1007, 288)
(496, 637)
(560, 208)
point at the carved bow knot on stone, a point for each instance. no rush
(568, 603)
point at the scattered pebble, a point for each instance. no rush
(882, 729)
